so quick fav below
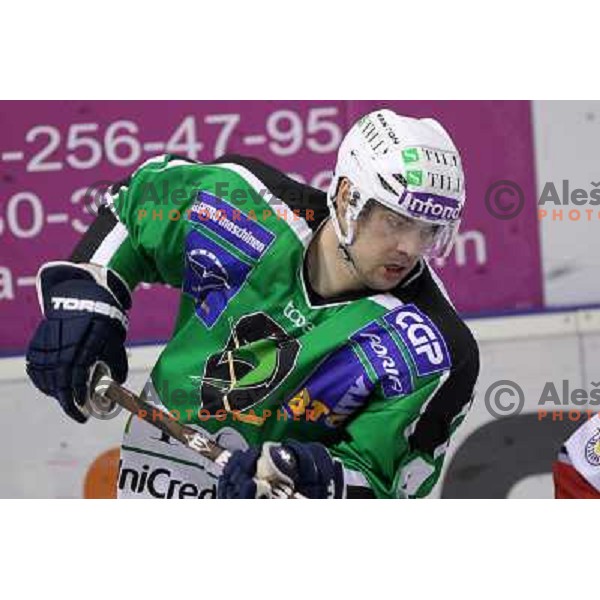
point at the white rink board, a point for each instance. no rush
(530, 363)
(566, 135)
(45, 455)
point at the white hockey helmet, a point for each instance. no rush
(410, 166)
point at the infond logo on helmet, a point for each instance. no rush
(430, 206)
(422, 338)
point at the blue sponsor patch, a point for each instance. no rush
(334, 392)
(422, 338)
(231, 224)
(212, 276)
(386, 359)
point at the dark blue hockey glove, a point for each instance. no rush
(85, 322)
(305, 468)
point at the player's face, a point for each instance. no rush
(387, 246)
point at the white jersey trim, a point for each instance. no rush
(355, 478)
(386, 300)
(436, 278)
(110, 245)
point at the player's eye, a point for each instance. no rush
(398, 221)
(429, 232)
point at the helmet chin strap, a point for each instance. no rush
(345, 241)
(352, 212)
(343, 248)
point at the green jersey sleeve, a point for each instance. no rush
(140, 233)
(399, 444)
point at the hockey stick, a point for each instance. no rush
(104, 388)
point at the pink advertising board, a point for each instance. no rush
(52, 152)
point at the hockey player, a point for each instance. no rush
(577, 470)
(312, 336)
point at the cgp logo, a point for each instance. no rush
(422, 338)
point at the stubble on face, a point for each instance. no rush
(377, 261)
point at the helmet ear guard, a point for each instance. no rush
(356, 203)
(354, 196)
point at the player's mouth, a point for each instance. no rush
(393, 272)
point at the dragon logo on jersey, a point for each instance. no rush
(210, 272)
(212, 276)
(258, 356)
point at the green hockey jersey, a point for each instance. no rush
(382, 379)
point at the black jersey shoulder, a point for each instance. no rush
(296, 195)
(453, 398)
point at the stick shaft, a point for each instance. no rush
(163, 421)
(105, 387)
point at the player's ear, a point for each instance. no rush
(343, 195)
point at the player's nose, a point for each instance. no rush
(410, 243)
